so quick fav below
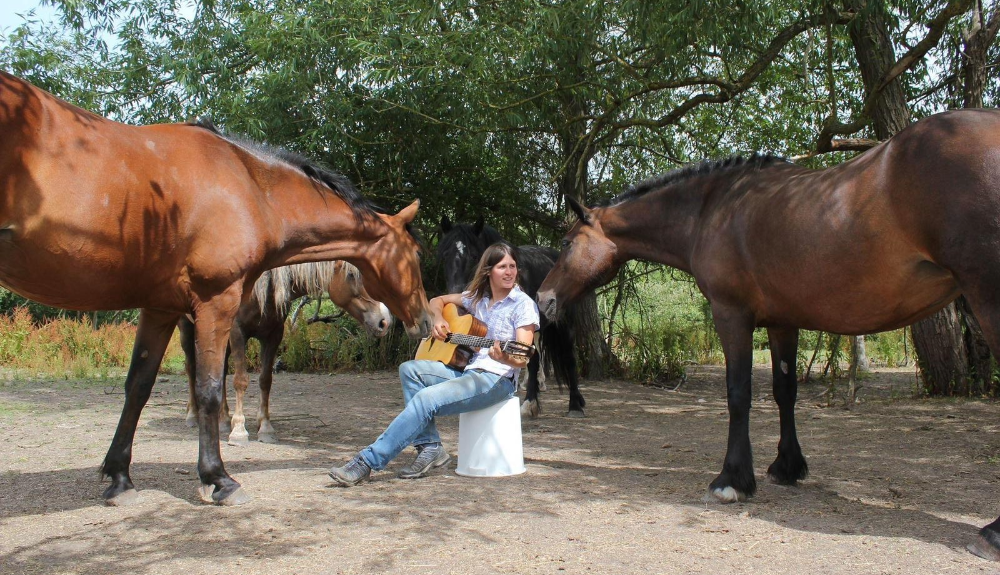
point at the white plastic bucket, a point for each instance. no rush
(489, 441)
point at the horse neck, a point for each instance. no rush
(316, 225)
(658, 226)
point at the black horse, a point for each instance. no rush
(459, 250)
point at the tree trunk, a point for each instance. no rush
(976, 40)
(941, 353)
(859, 356)
(595, 354)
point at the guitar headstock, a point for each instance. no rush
(517, 348)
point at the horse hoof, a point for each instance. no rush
(125, 498)
(239, 440)
(727, 495)
(205, 492)
(267, 438)
(576, 414)
(982, 548)
(530, 409)
(237, 497)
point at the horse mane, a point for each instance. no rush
(755, 162)
(337, 183)
(280, 283)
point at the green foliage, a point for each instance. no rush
(68, 348)
(342, 346)
(489, 108)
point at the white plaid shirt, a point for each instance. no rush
(502, 320)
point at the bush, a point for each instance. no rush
(69, 347)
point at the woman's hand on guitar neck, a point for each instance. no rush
(440, 328)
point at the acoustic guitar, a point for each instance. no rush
(467, 334)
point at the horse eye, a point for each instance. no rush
(565, 243)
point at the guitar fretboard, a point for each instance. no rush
(470, 340)
(512, 347)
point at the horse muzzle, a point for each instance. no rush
(548, 305)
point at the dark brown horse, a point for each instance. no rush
(176, 219)
(263, 318)
(870, 245)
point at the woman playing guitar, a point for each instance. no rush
(431, 388)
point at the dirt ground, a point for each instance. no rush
(897, 485)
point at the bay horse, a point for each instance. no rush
(176, 219)
(459, 251)
(263, 317)
(873, 244)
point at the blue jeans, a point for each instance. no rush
(431, 388)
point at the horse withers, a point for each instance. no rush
(176, 219)
(870, 245)
(263, 318)
(459, 250)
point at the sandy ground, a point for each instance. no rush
(896, 486)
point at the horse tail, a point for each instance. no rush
(557, 343)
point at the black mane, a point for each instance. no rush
(756, 162)
(337, 183)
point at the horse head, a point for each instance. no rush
(391, 271)
(588, 259)
(348, 292)
(460, 248)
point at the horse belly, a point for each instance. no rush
(861, 304)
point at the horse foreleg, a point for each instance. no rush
(268, 353)
(213, 321)
(531, 407)
(790, 466)
(152, 337)
(736, 482)
(241, 381)
(559, 349)
(186, 329)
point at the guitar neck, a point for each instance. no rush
(471, 340)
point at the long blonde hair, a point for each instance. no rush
(479, 287)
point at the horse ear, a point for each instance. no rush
(407, 214)
(580, 211)
(480, 224)
(445, 224)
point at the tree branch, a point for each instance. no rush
(832, 127)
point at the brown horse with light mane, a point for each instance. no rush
(263, 318)
(176, 219)
(870, 245)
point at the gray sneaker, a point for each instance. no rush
(428, 457)
(354, 472)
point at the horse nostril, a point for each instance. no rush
(383, 324)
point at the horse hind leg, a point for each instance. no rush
(558, 344)
(531, 407)
(790, 466)
(241, 381)
(186, 329)
(268, 353)
(152, 337)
